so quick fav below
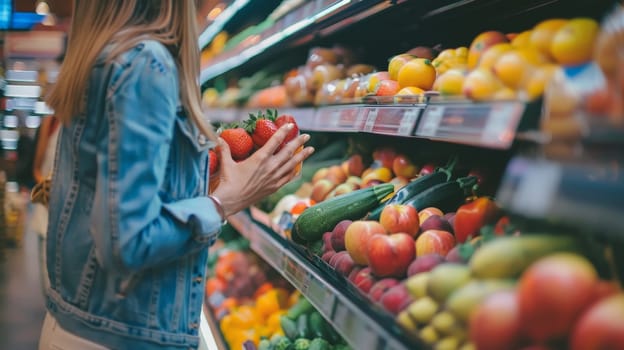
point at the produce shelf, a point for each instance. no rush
(322, 17)
(215, 27)
(488, 125)
(588, 194)
(360, 325)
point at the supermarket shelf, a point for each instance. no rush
(210, 335)
(320, 16)
(489, 125)
(215, 27)
(587, 194)
(361, 328)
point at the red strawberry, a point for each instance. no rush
(285, 119)
(214, 161)
(239, 141)
(261, 127)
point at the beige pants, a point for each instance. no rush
(53, 337)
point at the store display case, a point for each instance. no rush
(568, 188)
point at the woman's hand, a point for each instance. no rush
(244, 183)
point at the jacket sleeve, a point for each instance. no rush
(132, 228)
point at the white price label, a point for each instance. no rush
(431, 121)
(408, 121)
(371, 117)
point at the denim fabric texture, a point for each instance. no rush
(129, 221)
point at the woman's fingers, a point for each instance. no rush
(288, 151)
(275, 141)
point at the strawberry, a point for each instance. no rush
(239, 141)
(214, 161)
(261, 127)
(285, 119)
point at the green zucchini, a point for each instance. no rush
(289, 327)
(447, 196)
(324, 216)
(303, 306)
(302, 326)
(317, 324)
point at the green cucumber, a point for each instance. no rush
(302, 326)
(289, 327)
(447, 196)
(302, 306)
(317, 325)
(324, 216)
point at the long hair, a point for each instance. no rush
(96, 23)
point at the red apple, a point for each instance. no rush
(396, 299)
(338, 235)
(390, 255)
(601, 326)
(357, 236)
(552, 294)
(403, 166)
(424, 263)
(434, 241)
(397, 218)
(385, 156)
(380, 287)
(495, 324)
(364, 280)
(424, 214)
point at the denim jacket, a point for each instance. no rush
(129, 219)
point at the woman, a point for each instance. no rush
(130, 219)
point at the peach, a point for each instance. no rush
(320, 174)
(495, 324)
(434, 241)
(338, 235)
(363, 279)
(385, 155)
(355, 181)
(396, 299)
(375, 78)
(453, 256)
(424, 263)
(334, 259)
(397, 218)
(341, 189)
(321, 189)
(327, 242)
(344, 264)
(355, 165)
(357, 236)
(403, 166)
(381, 286)
(436, 222)
(390, 255)
(376, 176)
(424, 214)
(601, 326)
(336, 174)
(326, 257)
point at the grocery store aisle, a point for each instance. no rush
(21, 301)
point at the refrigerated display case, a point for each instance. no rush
(574, 186)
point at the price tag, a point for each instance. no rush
(295, 273)
(356, 330)
(430, 121)
(371, 117)
(502, 123)
(410, 116)
(320, 295)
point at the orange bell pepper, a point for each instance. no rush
(470, 217)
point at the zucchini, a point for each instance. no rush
(323, 217)
(447, 196)
(508, 257)
(317, 325)
(302, 306)
(289, 327)
(302, 326)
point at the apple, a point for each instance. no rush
(380, 287)
(327, 244)
(321, 189)
(390, 255)
(495, 324)
(396, 299)
(385, 155)
(436, 222)
(397, 218)
(552, 294)
(357, 236)
(434, 241)
(424, 214)
(424, 263)
(403, 166)
(364, 280)
(338, 235)
(601, 326)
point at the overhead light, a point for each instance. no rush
(42, 8)
(215, 12)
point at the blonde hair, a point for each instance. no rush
(125, 23)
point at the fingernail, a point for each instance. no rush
(311, 150)
(289, 126)
(306, 137)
